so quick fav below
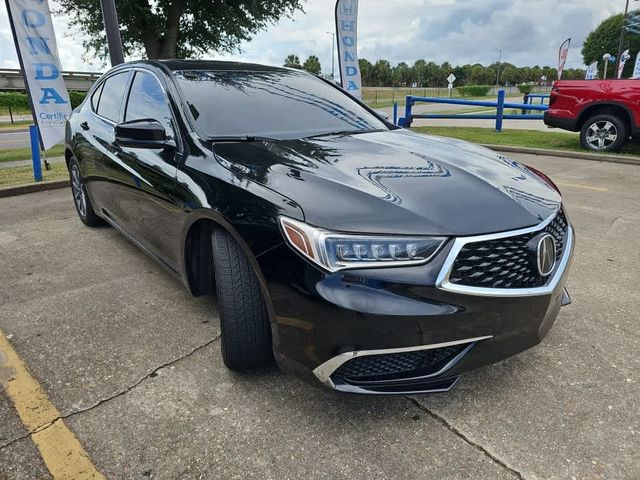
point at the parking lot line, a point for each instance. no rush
(60, 449)
(586, 187)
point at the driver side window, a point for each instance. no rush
(148, 100)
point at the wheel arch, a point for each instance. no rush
(613, 108)
(197, 254)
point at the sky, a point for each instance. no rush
(528, 32)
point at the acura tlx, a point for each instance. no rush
(355, 253)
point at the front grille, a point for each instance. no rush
(390, 366)
(506, 262)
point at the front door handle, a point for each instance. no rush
(84, 126)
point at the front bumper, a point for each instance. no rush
(397, 316)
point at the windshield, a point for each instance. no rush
(281, 104)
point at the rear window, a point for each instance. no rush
(280, 104)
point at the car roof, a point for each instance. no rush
(210, 65)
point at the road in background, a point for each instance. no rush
(132, 363)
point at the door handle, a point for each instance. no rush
(84, 126)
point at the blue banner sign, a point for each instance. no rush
(347, 30)
(37, 51)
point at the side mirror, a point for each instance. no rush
(145, 133)
(382, 113)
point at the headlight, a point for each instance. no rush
(337, 251)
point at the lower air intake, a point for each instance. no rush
(396, 366)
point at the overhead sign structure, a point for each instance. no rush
(623, 60)
(562, 56)
(592, 71)
(347, 30)
(37, 50)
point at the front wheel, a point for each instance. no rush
(244, 323)
(604, 133)
(81, 198)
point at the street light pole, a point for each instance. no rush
(498, 74)
(112, 28)
(333, 55)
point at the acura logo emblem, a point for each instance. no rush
(546, 254)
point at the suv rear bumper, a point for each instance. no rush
(557, 122)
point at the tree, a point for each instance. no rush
(382, 73)
(606, 39)
(176, 28)
(293, 61)
(312, 65)
(366, 71)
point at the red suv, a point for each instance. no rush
(605, 112)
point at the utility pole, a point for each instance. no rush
(112, 28)
(333, 55)
(498, 74)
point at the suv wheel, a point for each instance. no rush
(80, 198)
(604, 133)
(244, 323)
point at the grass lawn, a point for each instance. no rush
(23, 175)
(9, 155)
(18, 124)
(520, 138)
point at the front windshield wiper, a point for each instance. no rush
(242, 138)
(344, 132)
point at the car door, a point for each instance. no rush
(95, 151)
(143, 179)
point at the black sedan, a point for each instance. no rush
(370, 258)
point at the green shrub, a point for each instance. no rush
(525, 89)
(474, 90)
(76, 98)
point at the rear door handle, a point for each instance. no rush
(84, 125)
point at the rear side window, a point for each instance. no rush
(111, 97)
(148, 100)
(95, 98)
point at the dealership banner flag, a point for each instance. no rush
(38, 55)
(562, 56)
(623, 60)
(347, 30)
(592, 71)
(636, 68)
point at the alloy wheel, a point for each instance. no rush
(601, 135)
(78, 191)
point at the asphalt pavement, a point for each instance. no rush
(131, 364)
(10, 139)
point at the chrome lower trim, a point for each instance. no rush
(324, 371)
(443, 283)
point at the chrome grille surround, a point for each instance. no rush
(443, 281)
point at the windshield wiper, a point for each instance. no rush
(242, 138)
(344, 132)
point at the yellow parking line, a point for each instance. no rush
(586, 187)
(60, 449)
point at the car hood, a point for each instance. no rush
(396, 182)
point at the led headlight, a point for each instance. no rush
(337, 251)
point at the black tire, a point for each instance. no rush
(81, 199)
(604, 133)
(244, 323)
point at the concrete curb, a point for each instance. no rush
(566, 154)
(33, 187)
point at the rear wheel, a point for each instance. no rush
(604, 133)
(81, 198)
(244, 323)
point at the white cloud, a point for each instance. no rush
(529, 32)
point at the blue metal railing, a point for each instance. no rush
(500, 105)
